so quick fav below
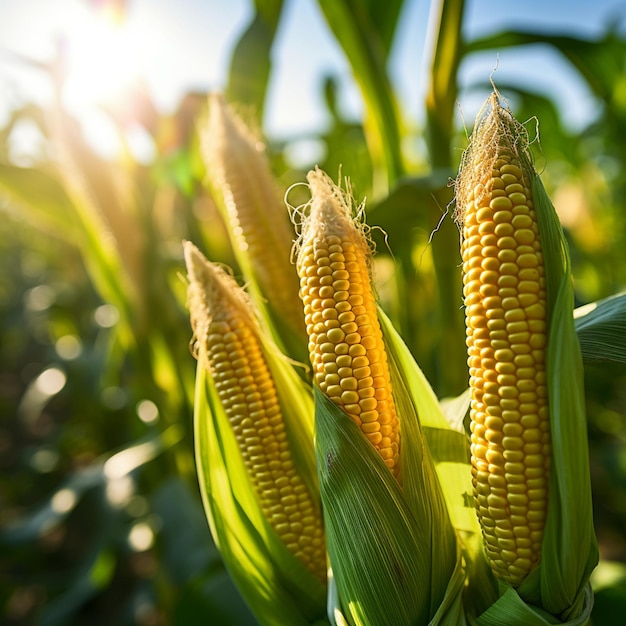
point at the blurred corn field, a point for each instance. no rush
(105, 486)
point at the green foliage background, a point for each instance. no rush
(96, 378)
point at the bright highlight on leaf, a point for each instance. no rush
(599, 326)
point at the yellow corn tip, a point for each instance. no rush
(345, 339)
(223, 324)
(505, 304)
(238, 170)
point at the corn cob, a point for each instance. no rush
(505, 307)
(260, 227)
(345, 339)
(224, 325)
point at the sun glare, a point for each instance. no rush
(103, 58)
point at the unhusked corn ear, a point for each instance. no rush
(260, 227)
(224, 325)
(345, 339)
(505, 307)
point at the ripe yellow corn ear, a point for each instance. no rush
(240, 179)
(229, 334)
(505, 306)
(345, 339)
(529, 452)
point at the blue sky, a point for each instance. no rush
(178, 45)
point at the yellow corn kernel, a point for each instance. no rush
(508, 424)
(240, 177)
(331, 239)
(224, 325)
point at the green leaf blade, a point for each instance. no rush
(250, 64)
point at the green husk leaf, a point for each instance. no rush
(451, 611)
(449, 448)
(511, 609)
(375, 542)
(455, 410)
(296, 402)
(601, 329)
(569, 550)
(276, 586)
(369, 515)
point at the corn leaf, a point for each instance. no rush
(39, 198)
(276, 586)
(251, 60)
(364, 31)
(381, 19)
(601, 330)
(455, 410)
(442, 92)
(569, 550)
(598, 61)
(447, 21)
